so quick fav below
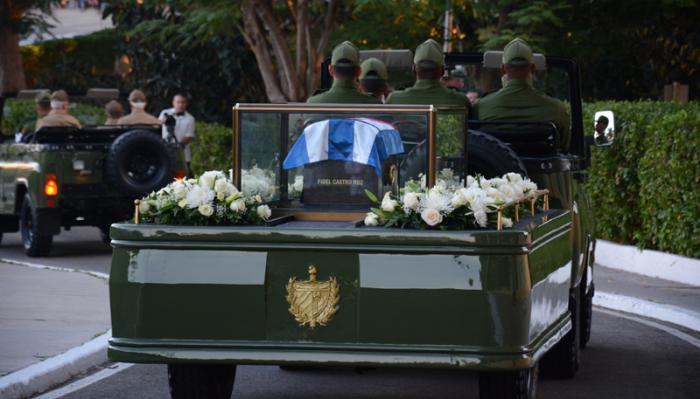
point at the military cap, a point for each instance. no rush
(59, 95)
(114, 108)
(345, 54)
(429, 51)
(137, 96)
(43, 97)
(517, 52)
(373, 65)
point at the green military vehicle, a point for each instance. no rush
(317, 286)
(63, 177)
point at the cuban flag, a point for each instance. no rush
(362, 140)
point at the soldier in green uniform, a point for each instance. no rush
(373, 78)
(58, 116)
(345, 69)
(429, 66)
(518, 99)
(42, 106)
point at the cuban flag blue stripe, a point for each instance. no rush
(341, 139)
(298, 155)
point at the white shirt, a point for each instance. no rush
(184, 127)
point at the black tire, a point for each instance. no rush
(36, 242)
(490, 157)
(563, 360)
(205, 381)
(586, 310)
(519, 384)
(104, 235)
(139, 162)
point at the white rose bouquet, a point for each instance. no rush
(453, 206)
(208, 200)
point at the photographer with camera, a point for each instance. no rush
(178, 125)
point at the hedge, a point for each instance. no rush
(16, 112)
(73, 64)
(645, 188)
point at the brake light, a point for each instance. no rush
(51, 185)
(180, 174)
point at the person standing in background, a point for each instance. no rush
(183, 124)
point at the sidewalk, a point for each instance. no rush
(44, 313)
(647, 296)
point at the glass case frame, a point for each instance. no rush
(349, 109)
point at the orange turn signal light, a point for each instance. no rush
(51, 185)
(180, 174)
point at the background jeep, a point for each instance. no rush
(64, 177)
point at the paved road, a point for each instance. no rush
(625, 359)
(79, 248)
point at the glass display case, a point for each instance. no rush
(317, 161)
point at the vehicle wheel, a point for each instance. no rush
(104, 235)
(36, 243)
(519, 384)
(490, 157)
(139, 162)
(206, 381)
(562, 361)
(586, 311)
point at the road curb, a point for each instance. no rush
(649, 263)
(43, 375)
(657, 311)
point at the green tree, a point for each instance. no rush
(17, 18)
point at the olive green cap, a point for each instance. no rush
(43, 97)
(429, 50)
(345, 54)
(376, 66)
(137, 96)
(517, 52)
(59, 95)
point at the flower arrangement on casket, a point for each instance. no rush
(208, 200)
(475, 202)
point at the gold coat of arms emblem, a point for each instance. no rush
(313, 302)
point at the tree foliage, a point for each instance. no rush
(170, 50)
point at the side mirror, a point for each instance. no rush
(604, 128)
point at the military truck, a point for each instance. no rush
(316, 286)
(63, 177)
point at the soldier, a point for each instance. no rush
(345, 69)
(373, 78)
(58, 116)
(138, 115)
(429, 66)
(518, 99)
(42, 107)
(114, 111)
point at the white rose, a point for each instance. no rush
(529, 186)
(431, 216)
(179, 190)
(264, 212)
(507, 222)
(144, 206)
(238, 206)
(206, 210)
(182, 203)
(470, 181)
(221, 195)
(514, 177)
(388, 204)
(459, 199)
(411, 201)
(371, 219)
